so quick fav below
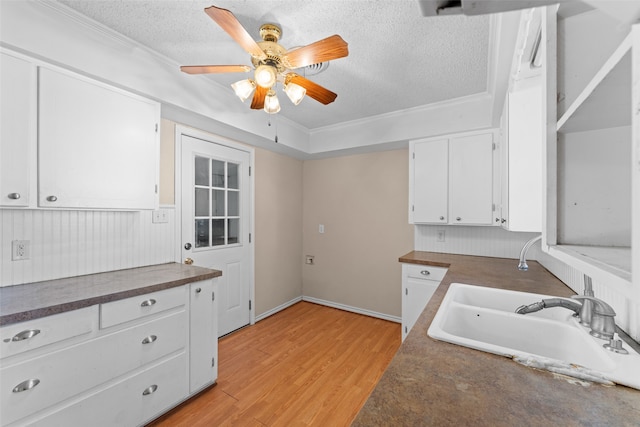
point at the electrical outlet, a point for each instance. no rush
(321, 228)
(440, 236)
(160, 216)
(20, 250)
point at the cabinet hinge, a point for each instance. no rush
(249, 304)
(414, 155)
(213, 362)
(406, 291)
(494, 146)
(413, 208)
(156, 189)
(249, 237)
(405, 330)
(249, 170)
(213, 296)
(156, 128)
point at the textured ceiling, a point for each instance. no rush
(397, 60)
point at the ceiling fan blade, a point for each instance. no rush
(211, 69)
(314, 90)
(333, 47)
(232, 26)
(257, 103)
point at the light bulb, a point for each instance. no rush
(265, 76)
(295, 92)
(271, 103)
(244, 88)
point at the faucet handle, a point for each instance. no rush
(602, 324)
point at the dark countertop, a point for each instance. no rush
(431, 382)
(19, 303)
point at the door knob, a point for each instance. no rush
(188, 261)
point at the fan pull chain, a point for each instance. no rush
(276, 126)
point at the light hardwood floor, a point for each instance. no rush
(306, 365)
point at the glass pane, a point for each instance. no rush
(202, 202)
(234, 205)
(202, 233)
(217, 173)
(232, 174)
(234, 231)
(218, 203)
(201, 168)
(217, 234)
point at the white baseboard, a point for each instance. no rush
(277, 309)
(353, 309)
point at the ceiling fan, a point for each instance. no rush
(273, 63)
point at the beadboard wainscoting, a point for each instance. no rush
(73, 243)
(469, 240)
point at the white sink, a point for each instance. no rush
(485, 319)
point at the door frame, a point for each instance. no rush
(181, 130)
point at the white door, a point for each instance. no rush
(216, 223)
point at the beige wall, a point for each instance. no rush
(278, 229)
(362, 201)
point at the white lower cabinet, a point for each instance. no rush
(419, 282)
(125, 373)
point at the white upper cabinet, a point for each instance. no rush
(74, 143)
(97, 145)
(589, 144)
(430, 181)
(17, 129)
(452, 180)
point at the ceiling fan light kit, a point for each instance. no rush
(273, 64)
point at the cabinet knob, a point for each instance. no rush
(26, 385)
(149, 390)
(25, 335)
(441, 218)
(425, 272)
(147, 303)
(497, 219)
(51, 198)
(503, 221)
(149, 339)
(198, 290)
(458, 218)
(13, 196)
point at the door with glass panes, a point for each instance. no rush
(216, 223)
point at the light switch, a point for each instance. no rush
(321, 228)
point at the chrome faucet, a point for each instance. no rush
(523, 253)
(601, 322)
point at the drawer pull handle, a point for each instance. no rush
(149, 339)
(148, 303)
(425, 272)
(26, 385)
(149, 390)
(25, 335)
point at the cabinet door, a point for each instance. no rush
(17, 130)
(430, 181)
(416, 295)
(203, 336)
(97, 146)
(471, 178)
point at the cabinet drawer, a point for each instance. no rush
(424, 272)
(59, 375)
(114, 313)
(21, 337)
(99, 409)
